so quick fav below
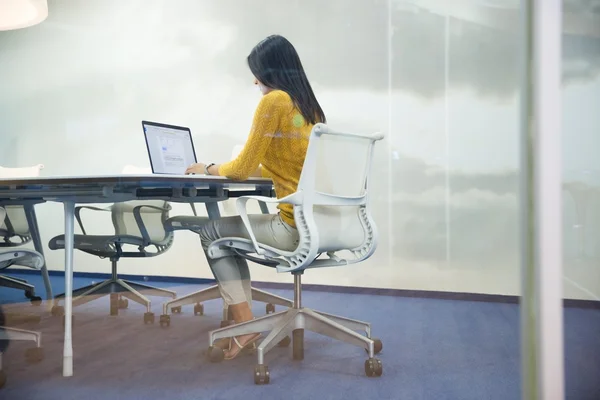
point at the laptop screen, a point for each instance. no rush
(170, 148)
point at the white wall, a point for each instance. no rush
(75, 88)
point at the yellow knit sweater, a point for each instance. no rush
(278, 141)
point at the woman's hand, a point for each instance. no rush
(197, 168)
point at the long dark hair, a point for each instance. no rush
(276, 64)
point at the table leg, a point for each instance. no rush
(263, 207)
(68, 301)
(37, 244)
(212, 209)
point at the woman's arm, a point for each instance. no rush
(214, 170)
(199, 168)
(264, 127)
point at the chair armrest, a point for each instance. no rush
(26, 258)
(294, 198)
(140, 221)
(6, 256)
(78, 214)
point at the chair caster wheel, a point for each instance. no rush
(215, 354)
(57, 311)
(227, 323)
(270, 308)
(35, 300)
(199, 309)
(2, 379)
(261, 375)
(29, 294)
(285, 342)
(148, 318)
(377, 346)
(123, 304)
(34, 355)
(373, 367)
(165, 320)
(176, 310)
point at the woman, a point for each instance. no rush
(275, 148)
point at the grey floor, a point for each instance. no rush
(433, 349)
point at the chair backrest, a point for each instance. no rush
(335, 192)
(15, 214)
(153, 214)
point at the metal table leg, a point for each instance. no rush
(69, 233)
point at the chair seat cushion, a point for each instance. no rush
(95, 243)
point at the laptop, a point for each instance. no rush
(170, 148)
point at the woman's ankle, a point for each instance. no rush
(241, 312)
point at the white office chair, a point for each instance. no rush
(194, 223)
(331, 211)
(15, 231)
(31, 259)
(137, 223)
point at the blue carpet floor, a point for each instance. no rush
(433, 349)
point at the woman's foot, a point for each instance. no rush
(240, 343)
(241, 312)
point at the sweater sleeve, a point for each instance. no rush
(264, 127)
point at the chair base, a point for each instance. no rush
(293, 322)
(213, 293)
(10, 334)
(32, 354)
(119, 290)
(21, 284)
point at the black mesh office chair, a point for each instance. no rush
(137, 224)
(26, 258)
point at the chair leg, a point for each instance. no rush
(134, 295)
(261, 324)
(20, 334)
(16, 283)
(116, 288)
(13, 279)
(266, 297)
(150, 290)
(85, 296)
(32, 354)
(211, 293)
(278, 333)
(81, 290)
(317, 323)
(353, 324)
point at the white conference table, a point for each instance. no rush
(118, 188)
